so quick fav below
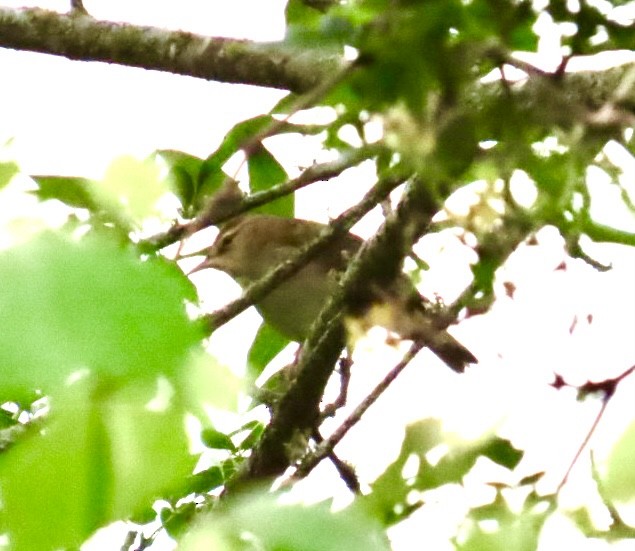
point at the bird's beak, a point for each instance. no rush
(202, 266)
(206, 263)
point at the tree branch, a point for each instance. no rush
(298, 409)
(316, 173)
(273, 65)
(603, 99)
(326, 446)
(338, 227)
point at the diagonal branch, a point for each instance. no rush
(316, 173)
(80, 37)
(326, 446)
(338, 227)
(298, 409)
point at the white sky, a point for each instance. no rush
(74, 118)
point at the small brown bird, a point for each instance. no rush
(250, 246)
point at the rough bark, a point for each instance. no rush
(80, 37)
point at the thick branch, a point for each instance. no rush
(298, 409)
(79, 37)
(558, 99)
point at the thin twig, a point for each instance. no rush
(208, 216)
(338, 227)
(578, 453)
(308, 99)
(346, 472)
(316, 173)
(608, 387)
(326, 447)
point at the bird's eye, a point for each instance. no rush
(225, 241)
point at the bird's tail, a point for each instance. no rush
(412, 324)
(451, 351)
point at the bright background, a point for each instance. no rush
(64, 117)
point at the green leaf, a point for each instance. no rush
(271, 525)
(7, 171)
(501, 451)
(183, 174)
(128, 194)
(309, 26)
(149, 446)
(301, 19)
(253, 437)
(217, 440)
(205, 481)
(391, 490)
(211, 175)
(264, 173)
(68, 306)
(177, 521)
(72, 191)
(144, 516)
(519, 536)
(552, 174)
(105, 454)
(517, 531)
(132, 186)
(456, 145)
(268, 343)
(205, 381)
(7, 419)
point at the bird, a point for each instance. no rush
(250, 246)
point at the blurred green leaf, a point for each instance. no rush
(272, 525)
(105, 455)
(310, 24)
(216, 440)
(552, 174)
(72, 191)
(128, 193)
(205, 481)
(7, 171)
(391, 490)
(69, 306)
(148, 444)
(501, 451)
(176, 521)
(619, 480)
(144, 516)
(204, 381)
(302, 20)
(456, 145)
(7, 419)
(132, 188)
(507, 529)
(253, 437)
